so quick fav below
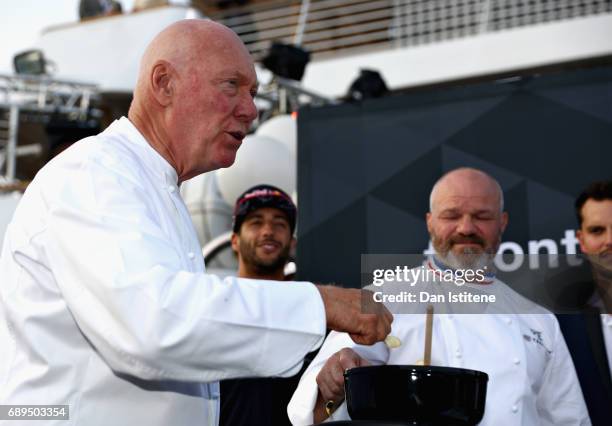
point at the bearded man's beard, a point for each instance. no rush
(469, 257)
(248, 252)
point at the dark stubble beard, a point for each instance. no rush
(248, 252)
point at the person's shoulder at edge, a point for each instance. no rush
(110, 151)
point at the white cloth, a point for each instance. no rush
(105, 305)
(606, 330)
(8, 204)
(606, 327)
(532, 380)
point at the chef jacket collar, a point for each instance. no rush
(436, 264)
(161, 167)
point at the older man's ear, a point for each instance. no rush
(504, 221)
(162, 83)
(428, 222)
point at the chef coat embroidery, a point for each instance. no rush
(536, 337)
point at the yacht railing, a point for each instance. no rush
(41, 96)
(328, 28)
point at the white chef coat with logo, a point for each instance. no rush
(105, 305)
(532, 380)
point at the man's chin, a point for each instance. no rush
(226, 156)
(268, 258)
(226, 161)
(269, 265)
(464, 260)
(219, 164)
(460, 249)
(266, 261)
(602, 259)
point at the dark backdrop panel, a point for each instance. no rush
(365, 170)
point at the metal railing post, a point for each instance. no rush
(485, 17)
(11, 148)
(301, 25)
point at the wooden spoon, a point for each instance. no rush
(428, 332)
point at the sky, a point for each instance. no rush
(21, 22)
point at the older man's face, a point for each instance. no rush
(466, 224)
(214, 108)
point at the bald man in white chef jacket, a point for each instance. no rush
(105, 306)
(532, 380)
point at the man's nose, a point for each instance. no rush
(247, 110)
(608, 240)
(466, 226)
(267, 229)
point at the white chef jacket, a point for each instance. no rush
(532, 380)
(106, 307)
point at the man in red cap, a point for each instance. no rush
(264, 223)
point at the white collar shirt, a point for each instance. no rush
(606, 326)
(105, 305)
(532, 380)
(606, 329)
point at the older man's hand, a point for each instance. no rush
(345, 311)
(330, 381)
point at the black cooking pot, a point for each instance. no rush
(365, 423)
(413, 394)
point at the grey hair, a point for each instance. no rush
(497, 185)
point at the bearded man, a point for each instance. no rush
(517, 343)
(264, 223)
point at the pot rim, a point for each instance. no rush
(418, 369)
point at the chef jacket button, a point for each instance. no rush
(171, 189)
(191, 255)
(516, 361)
(508, 321)
(458, 353)
(515, 409)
